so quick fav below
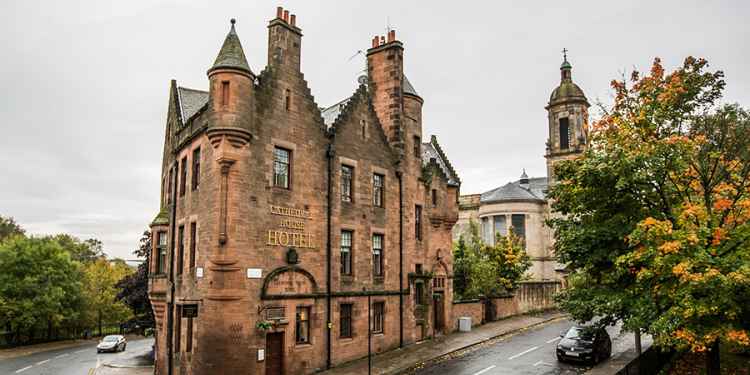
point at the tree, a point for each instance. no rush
(39, 286)
(655, 216)
(133, 288)
(8, 228)
(489, 270)
(81, 251)
(100, 291)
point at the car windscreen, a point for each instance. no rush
(579, 333)
(110, 339)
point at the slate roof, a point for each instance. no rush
(431, 150)
(408, 88)
(513, 191)
(331, 113)
(191, 101)
(231, 54)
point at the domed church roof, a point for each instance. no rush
(567, 90)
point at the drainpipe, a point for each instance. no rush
(329, 156)
(170, 303)
(400, 259)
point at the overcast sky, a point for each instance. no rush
(86, 83)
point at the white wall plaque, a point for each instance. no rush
(261, 354)
(254, 273)
(199, 272)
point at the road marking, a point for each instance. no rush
(523, 352)
(42, 362)
(81, 351)
(23, 369)
(553, 340)
(63, 355)
(485, 370)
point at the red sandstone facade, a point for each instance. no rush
(247, 274)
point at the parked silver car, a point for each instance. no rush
(112, 343)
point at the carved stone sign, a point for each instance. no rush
(291, 230)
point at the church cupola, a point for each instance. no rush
(567, 116)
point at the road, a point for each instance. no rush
(73, 361)
(529, 352)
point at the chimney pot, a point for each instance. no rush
(293, 20)
(279, 12)
(374, 42)
(382, 40)
(391, 35)
(286, 16)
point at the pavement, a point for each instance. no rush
(77, 358)
(415, 357)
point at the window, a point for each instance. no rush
(189, 337)
(178, 329)
(438, 282)
(183, 175)
(418, 268)
(161, 248)
(377, 254)
(434, 198)
(345, 320)
(347, 174)
(363, 128)
(287, 99)
(418, 222)
(487, 231)
(196, 168)
(519, 226)
(169, 187)
(378, 317)
(281, 164)
(224, 92)
(378, 185)
(501, 227)
(419, 293)
(417, 147)
(346, 252)
(302, 326)
(193, 238)
(564, 134)
(180, 248)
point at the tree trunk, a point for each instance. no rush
(713, 359)
(638, 341)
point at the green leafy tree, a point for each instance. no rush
(8, 228)
(100, 292)
(81, 251)
(490, 270)
(40, 286)
(655, 216)
(133, 288)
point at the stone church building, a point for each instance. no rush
(280, 219)
(522, 204)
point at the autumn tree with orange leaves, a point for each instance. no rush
(654, 217)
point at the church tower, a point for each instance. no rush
(567, 113)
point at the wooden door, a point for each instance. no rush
(437, 302)
(275, 353)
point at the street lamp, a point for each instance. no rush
(369, 333)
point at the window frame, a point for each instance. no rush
(298, 322)
(378, 318)
(346, 262)
(419, 293)
(193, 244)
(378, 190)
(196, 173)
(418, 222)
(566, 122)
(378, 264)
(224, 93)
(347, 183)
(522, 235)
(417, 146)
(183, 176)
(346, 328)
(287, 164)
(161, 252)
(180, 250)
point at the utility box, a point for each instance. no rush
(464, 324)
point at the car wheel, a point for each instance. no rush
(559, 359)
(124, 346)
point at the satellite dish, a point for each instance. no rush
(362, 80)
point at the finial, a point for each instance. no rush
(232, 21)
(565, 54)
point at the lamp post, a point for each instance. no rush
(369, 333)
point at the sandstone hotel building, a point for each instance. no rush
(280, 218)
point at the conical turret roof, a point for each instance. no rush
(231, 55)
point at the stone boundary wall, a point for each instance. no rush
(530, 296)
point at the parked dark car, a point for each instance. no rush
(584, 344)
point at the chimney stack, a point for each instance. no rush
(385, 74)
(284, 41)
